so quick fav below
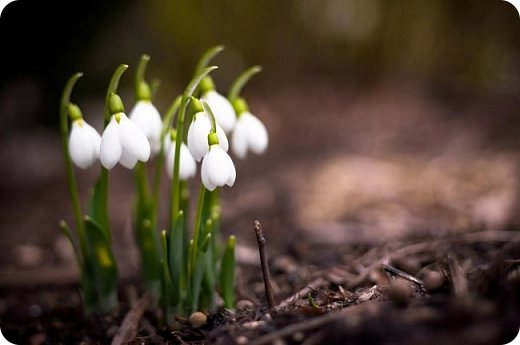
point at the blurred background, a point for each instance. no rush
(387, 119)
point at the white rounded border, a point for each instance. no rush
(4, 3)
(516, 5)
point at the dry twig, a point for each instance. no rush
(263, 261)
(128, 330)
(316, 284)
(402, 274)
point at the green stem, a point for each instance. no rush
(206, 58)
(71, 178)
(172, 110)
(141, 69)
(197, 225)
(174, 192)
(141, 181)
(112, 88)
(208, 110)
(241, 80)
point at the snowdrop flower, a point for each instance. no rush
(122, 140)
(187, 165)
(146, 116)
(84, 140)
(198, 136)
(222, 108)
(249, 134)
(217, 167)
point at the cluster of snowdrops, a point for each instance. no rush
(187, 266)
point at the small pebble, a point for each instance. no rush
(241, 340)
(198, 319)
(400, 292)
(433, 281)
(244, 304)
(298, 337)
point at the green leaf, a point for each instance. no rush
(168, 292)
(149, 250)
(177, 256)
(196, 284)
(227, 273)
(98, 206)
(207, 296)
(103, 265)
(146, 236)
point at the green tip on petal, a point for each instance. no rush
(115, 104)
(240, 106)
(195, 106)
(143, 91)
(212, 139)
(74, 112)
(206, 85)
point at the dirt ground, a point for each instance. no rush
(390, 215)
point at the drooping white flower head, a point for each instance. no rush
(222, 108)
(146, 116)
(198, 136)
(217, 169)
(84, 142)
(250, 133)
(124, 142)
(187, 165)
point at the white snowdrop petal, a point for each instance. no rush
(127, 160)
(133, 139)
(188, 166)
(167, 142)
(222, 138)
(95, 139)
(80, 145)
(110, 148)
(146, 116)
(139, 116)
(239, 142)
(198, 136)
(218, 167)
(170, 157)
(258, 138)
(232, 173)
(222, 109)
(204, 174)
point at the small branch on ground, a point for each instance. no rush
(458, 278)
(316, 284)
(263, 261)
(128, 330)
(402, 274)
